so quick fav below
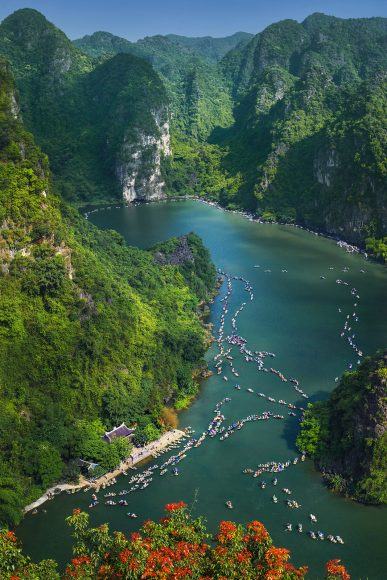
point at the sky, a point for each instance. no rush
(135, 19)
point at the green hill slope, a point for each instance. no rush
(210, 48)
(198, 96)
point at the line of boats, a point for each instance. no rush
(315, 535)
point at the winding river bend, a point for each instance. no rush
(294, 314)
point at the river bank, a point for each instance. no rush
(138, 455)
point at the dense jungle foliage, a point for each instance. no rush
(199, 99)
(92, 332)
(310, 130)
(179, 546)
(347, 435)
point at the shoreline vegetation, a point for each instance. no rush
(346, 435)
(119, 327)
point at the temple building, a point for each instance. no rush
(121, 431)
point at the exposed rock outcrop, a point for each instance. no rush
(139, 166)
(351, 202)
(180, 254)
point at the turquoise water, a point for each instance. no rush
(295, 315)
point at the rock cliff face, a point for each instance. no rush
(351, 199)
(178, 255)
(139, 162)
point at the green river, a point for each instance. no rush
(295, 315)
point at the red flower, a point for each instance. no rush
(80, 561)
(124, 555)
(273, 574)
(243, 556)
(133, 564)
(172, 507)
(226, 532)
(221, 551)
(276, 557)
(337, 570)
(10, 536)
(258, 531)
(298, 572)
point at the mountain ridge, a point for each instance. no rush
(279, 126)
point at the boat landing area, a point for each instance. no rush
(138, 454)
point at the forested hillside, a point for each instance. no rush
(347, 435)
(310, 131)
(105, 126)
(92, 332)
(210, 48)
(199, 98)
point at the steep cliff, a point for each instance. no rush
(139, 162)
(347, 435)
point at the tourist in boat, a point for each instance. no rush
(229, 504)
